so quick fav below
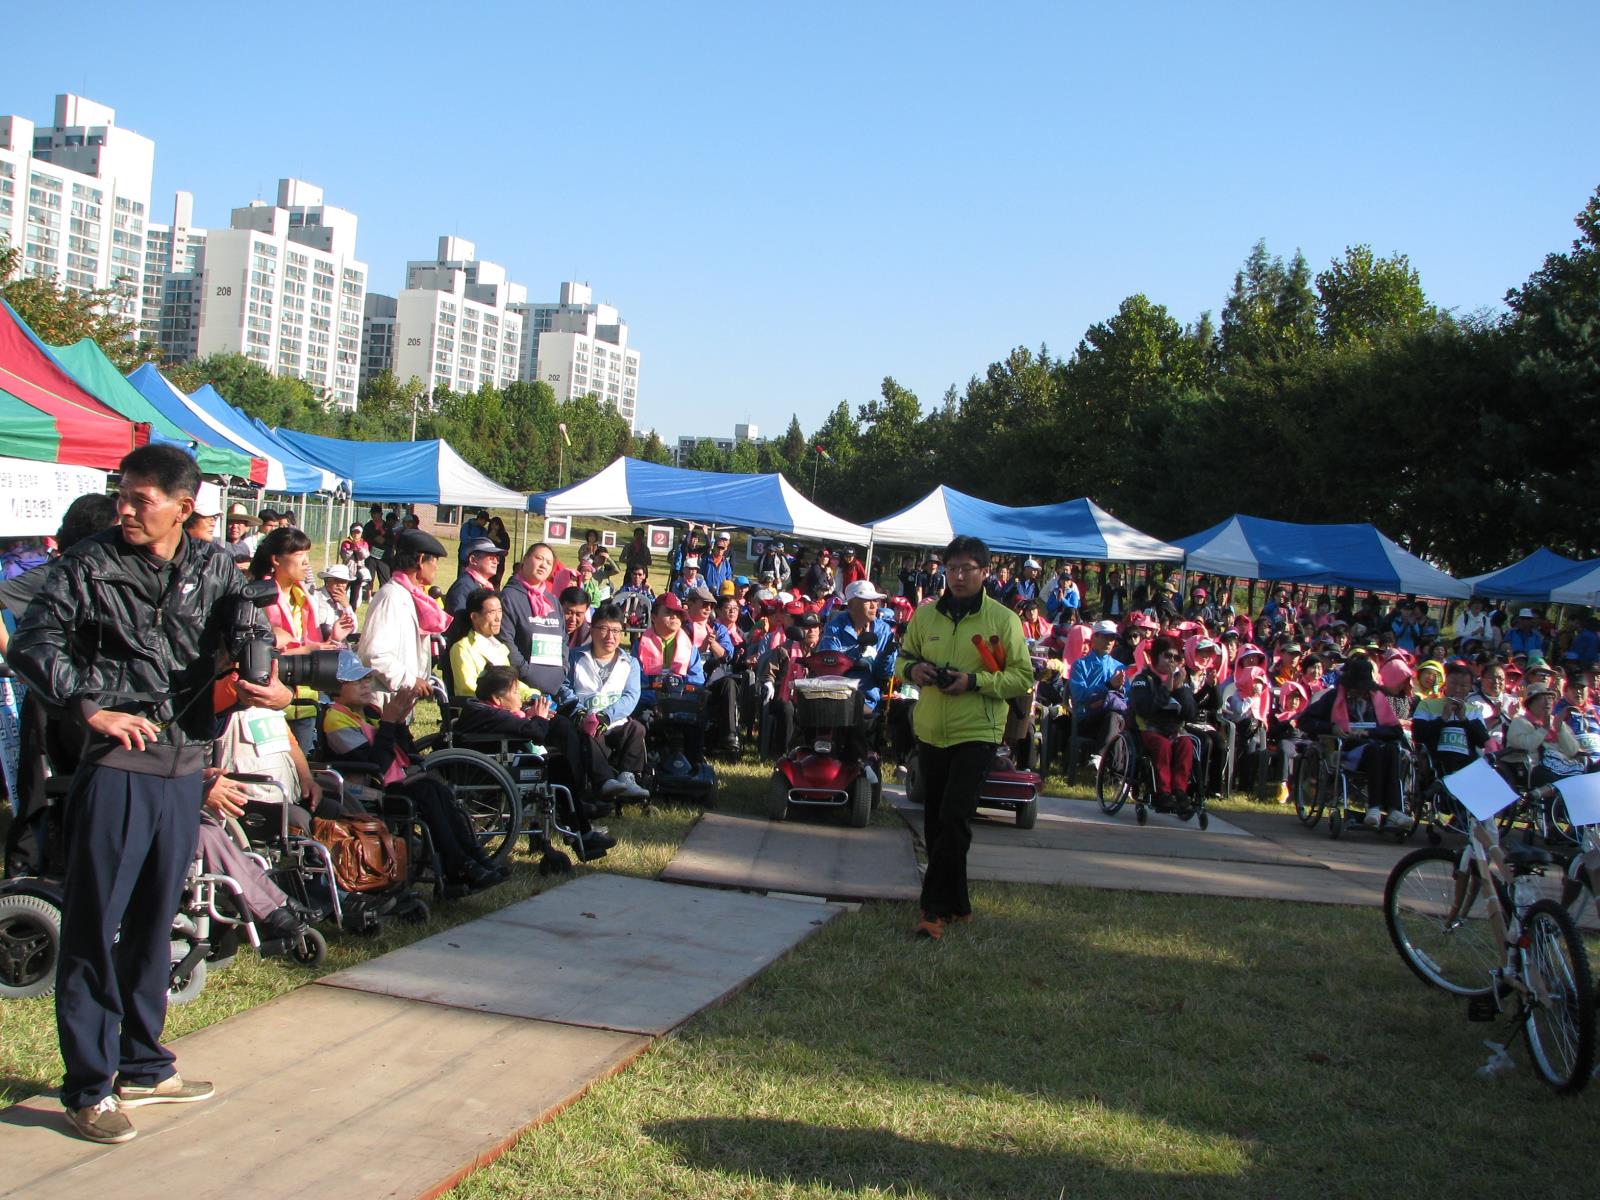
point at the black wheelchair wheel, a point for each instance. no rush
(1112, 782)
(30, 943)
(1307, 800)
(484, 790)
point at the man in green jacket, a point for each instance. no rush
(968, 656)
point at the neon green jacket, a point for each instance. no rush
(979, 716)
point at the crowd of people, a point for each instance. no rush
(566, 649)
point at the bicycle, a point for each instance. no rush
(1468, 923)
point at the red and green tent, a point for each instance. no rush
(87, 433)
(89, 366)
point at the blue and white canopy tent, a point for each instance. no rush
(1531, 579)
(630, 489)
(429, 472)
(1071, 529)
(1337, 555)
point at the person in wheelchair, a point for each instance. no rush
(482, 646)
(497, 711)
(1097, 681)
(602, 689)
(1360, 715)
(267, 906)
(868, 641)
(1162, 702)
(386, 748)
(717, 650)
(1451, 725)
(1544, 741)
(667, 648)
(779, 668)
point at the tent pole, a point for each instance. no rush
(522, 531)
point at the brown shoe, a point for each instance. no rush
(930, 927)
(105, 1122)
(171, 1090)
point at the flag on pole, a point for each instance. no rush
(825, 455)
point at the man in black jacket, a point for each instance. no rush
(122, 644)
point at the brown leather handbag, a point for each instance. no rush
(367, 857)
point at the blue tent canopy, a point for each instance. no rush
(1339, 555)
(300, 473)
(1533, 578)
(1072, 529)
(403, 472)
(631, 488)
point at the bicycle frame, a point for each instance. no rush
(1484, 858)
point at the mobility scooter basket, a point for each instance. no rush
(828, 702)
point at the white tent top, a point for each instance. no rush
(632, 489)
(1071, 529)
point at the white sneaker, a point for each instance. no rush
(612, 788)
(1094, 762)
(632, 788)
(1400, 820)
(1374, 817)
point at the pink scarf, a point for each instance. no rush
(431, 618)
(539, 599)
(1381, 709)
(1251, 684)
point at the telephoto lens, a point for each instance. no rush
(316, 669)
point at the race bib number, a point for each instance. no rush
(545, 651)
(1453, 740)
(268, 732)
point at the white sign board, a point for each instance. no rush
(1481, 790)
(1582, 796)
(34, 495)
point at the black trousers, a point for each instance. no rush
(624, 746)
(130, 839)
(952, 778)
(1380, 763)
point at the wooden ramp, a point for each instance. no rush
(605, 951)
(328, 1094)
(812, 857)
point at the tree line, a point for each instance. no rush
(1339, 395)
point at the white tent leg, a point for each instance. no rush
(522, 534)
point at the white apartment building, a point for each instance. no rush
(174, 260)
(579, 348)
(282, 285)
(741, 433)
(75, 198)
(377, 335)
(455, 327)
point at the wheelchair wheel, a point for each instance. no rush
(1028, 814)
(1141, 814)
(310, 948)
(1204, 819)
(30, 944)
(913, 779)
(488, 798)
(1112, 784)
(860, 802)
(778, 797)
(182, 989)
(1307, 803)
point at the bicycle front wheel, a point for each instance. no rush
(1438, 920)
(1560, 1008)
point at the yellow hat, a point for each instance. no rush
(727, 588)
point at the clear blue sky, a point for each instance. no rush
(789, 202)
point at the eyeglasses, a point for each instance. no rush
(962, 568)
(1172, 658)
(606, 630)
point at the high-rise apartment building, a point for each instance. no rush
(75, 198)
(174, 259)
(579, 347)
(377, 335)
(454, 325)
(282, 285)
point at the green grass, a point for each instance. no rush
(1068, 1043)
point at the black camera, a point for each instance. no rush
(943, 677)
(254, 647)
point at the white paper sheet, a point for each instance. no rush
(1582, 796)
(1481, 790)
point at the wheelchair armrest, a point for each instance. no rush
(346, 767)
(432, 741)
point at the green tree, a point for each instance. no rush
(655, 450)
(706, 456)
(829, 471)
(272, 399)
(1363, 298)
(62, 316)
(891, 459)
(1271, 313)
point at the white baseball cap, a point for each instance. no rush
(208, 500)
(1031, 564)
(862, 589)
(1106, 627)
(338, 571)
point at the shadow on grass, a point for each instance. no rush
(852, 1160)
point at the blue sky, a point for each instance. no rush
(790, 202)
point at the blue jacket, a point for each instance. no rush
(1529, 643)
(873, 652)
(716, 574)
(1091, 678)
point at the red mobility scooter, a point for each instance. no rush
(827, 764)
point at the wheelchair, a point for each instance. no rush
(1127, 773)
(675, 736)
(1323, 784)
(538, 802)
(824, 766)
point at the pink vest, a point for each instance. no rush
(650, 661)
